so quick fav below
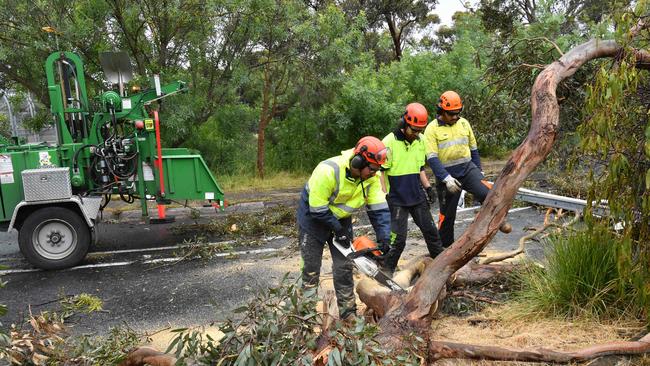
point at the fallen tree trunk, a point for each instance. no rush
(440, 350)
(413, 314)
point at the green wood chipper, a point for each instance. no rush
(108, 146)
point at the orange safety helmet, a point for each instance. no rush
(416, 115)
(363, 243)
(372, 150)
(450, 101)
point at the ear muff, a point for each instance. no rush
(358, 161)
(402, 122)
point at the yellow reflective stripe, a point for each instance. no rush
(344, 207)
(432, 155)
(315, 208)
(378, 206)
(457, 161)
(459, 141)
(318, 209)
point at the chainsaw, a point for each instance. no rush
(360, 253)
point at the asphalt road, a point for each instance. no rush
(148, 297)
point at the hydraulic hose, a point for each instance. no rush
(76, 155)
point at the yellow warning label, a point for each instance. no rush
(148, 124)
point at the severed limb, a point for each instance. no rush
(379, 298)
(525, 238)
(148, 356)
(439, 350)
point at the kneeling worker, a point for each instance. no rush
(337, 188)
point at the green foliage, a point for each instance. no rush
(81, 303)
(316, 73)
(107, 350)
(226, 141)
(276, 221)
(279, 328)
(41, 119)
(402, 18)
(524, 41)
(45, 340)
(5, 128)
(584, 277)
(614, 138)
(316, 47)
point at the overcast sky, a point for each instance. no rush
(446, 8)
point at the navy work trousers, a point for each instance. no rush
(470, 182)
(399, 228)
(311, 250)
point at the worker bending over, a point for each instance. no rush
(337, 188)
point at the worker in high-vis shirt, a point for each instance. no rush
(337, 188)
(452, 154)
(404, 179)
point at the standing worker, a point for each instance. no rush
(337, 188)
(404, 178)
(452, 154)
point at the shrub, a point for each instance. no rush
(583, 278)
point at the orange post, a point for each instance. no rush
(161, 211)
(159, 165)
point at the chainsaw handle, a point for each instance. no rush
(365, 251)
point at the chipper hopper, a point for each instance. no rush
(106, 147)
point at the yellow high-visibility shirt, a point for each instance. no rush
(330, 189)
(452, 145)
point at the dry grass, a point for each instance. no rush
(496, 327)
(282, 180)
(493, 327)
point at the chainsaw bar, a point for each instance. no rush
(368, 267)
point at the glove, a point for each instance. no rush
(453, 185)
(431, 194)
(384, 247)
(342, 238)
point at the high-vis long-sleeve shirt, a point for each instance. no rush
(332, 195)
(402, 169)
(450, 148)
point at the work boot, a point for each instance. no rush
(349, 317)
(505, 227)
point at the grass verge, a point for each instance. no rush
(246, 182)
(584, 278)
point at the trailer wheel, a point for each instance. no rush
(54, 238)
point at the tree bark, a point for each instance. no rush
(440, 350)
(148, 356)
(395, 35)
(265, 118)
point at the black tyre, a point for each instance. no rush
(54, 238)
